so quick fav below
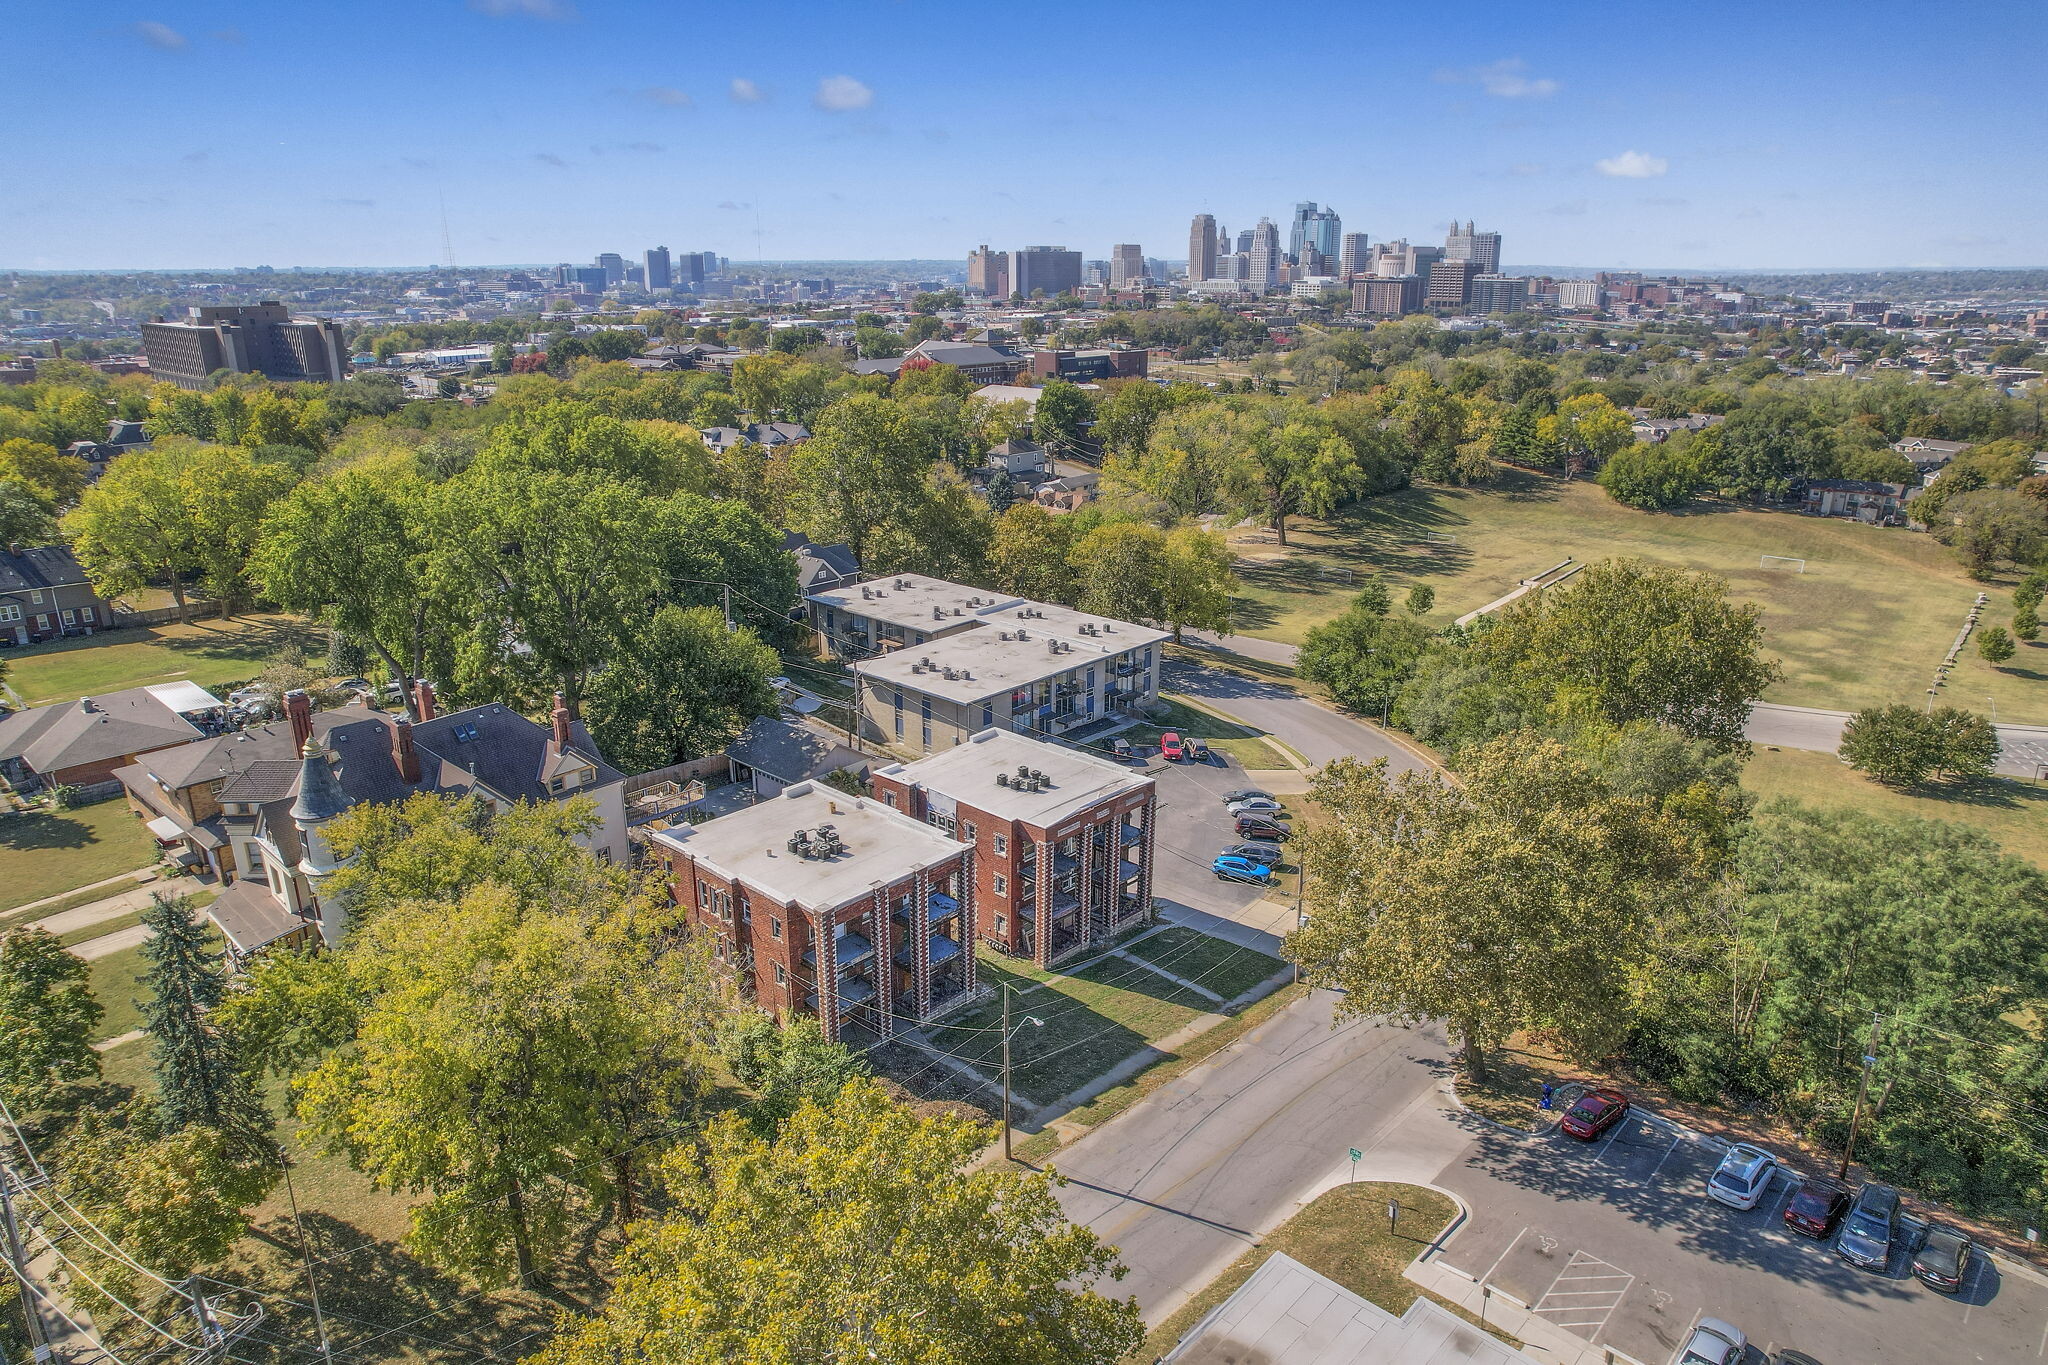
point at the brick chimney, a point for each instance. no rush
(423, 692)
(298, 709)
(402, 752)
(561, 718)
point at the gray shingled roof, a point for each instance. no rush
(250, 915)
(40, 566)
(49, 739)
(790, 753)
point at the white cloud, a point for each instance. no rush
(162, 37)
(1632, 165)
(1507, 79)
(525, 9)
(840, 94)
(667, 96)
(745, 91)
(550, 159)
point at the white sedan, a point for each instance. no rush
(1254, 805)
(1743, 1176)
(1713, 1342)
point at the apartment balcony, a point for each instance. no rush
(1130, 834)
(940, 950)
(853, 991)
(852, 950)
(1064, 865)
(1128, 870)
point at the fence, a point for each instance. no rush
(159, 616)
(689, 770)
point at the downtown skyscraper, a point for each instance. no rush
(1202, 248)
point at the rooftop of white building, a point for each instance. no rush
(1074, 780)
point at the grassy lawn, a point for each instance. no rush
(116, 982)
(2010, 810)
(1866, 623)
(51, 852)
(1211, 963)
(1343, 1234)
(1093, 1019)
(1250, 746)
(209, 653)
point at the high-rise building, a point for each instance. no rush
(1313, 227)
(1499, 293)
(1390, 295)
(659, 274)
(613, 265)
(1581, 294)
(988, 272)
(1263, 273)
(1202, 237)
(593, 279)
(1052, 269)
(258, 338)
(1352, 256)
(1126, 265)
(1465, 244)
(1450, 283)
(1244, 242)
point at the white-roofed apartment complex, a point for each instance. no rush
(938, 662)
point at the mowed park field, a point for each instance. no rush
(1866, 623)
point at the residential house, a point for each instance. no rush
(1063, 838)
(1862, 499)
(819, 567)
(84, 743)
(44, 594)
(1069, 489)
(767, 435)
(246, 806)
(831, 905)
(1928, 455)
(1657, 430)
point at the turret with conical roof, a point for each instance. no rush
(320, 799)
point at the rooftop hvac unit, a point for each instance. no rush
(952, 675)
(938, 613)
(1002, 779)
(1023, 635)
(1023, 770)
(959, 611)
(1003, 634)
(902, 582)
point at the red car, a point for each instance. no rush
(1169, 747)
(1595, 1112)
(1815, 1208)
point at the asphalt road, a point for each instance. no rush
(1184, 1182)
(1315, 732)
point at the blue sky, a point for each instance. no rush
(1649, 134)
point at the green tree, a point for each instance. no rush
(1587, 429)
(1523, 895)
(2026, 623)
(1303, 471)
(1631, 640)
(1897, 745)
(796, 340)
(755, 1260)
(786, 1065)
(25, 518)
(1517, 439)
(1652, 477)
(683, 687)
(1121, 569)
(1363, 656)
(501, 358)
(1967, 743)
(199, 1073)
(709, 544)
(1030, 553)
(862, 470)
(1994, 645)
(354, 549)
(1421, 599)
(1992, 527)
(1062, 415)
(47, 1015)
(54, 478)
(877, 343)
(1195, 581)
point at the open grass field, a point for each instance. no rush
(205, 652)
(1865, 624)
(1342, 1234)
(46, 853)
(1093, 1019)
(2010, 810)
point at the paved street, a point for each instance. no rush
(1186, 1181)
(1317, 733)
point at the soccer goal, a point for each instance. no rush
(1781, 562)
(1334, 573)
(1438, 538)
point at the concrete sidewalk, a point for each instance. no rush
(114, 906)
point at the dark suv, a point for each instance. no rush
(1262, 827)
(1866, 1238)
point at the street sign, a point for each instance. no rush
(1357, 1155)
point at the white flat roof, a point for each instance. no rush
(983, 663)
(183, 696)
(967, 772)
(910, 600)
(752, 846)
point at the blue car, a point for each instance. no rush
(1230, 868)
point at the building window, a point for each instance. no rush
(36, 596)
(969, 827)
(781, 977)
(889, 799)
(1002, 926)
(1002, 844)
(70, 617)
(775, 926)
(10, 611)
(899, 713)
(1002, 885)
(988, 714)
(703, 896)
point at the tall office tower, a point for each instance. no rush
(1499, 293)
(1450, 283)
(245, 339)
(1244, 242)
(1464, 244)
(613, 265)
(1053, 269)
(660, 274)
(1421, 258)
(593, 279)
(1264, 270)
(1314, 227)
(1127, 264)
(565, 274)
(1223, 240)
(1353, 258)
(988, 272)
(1202, 249)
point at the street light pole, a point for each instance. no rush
(1035, 1022)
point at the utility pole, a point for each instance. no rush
(17, 1259)
(1006, 1068)
(306, 1255)
(725, 595)
(853, 715)
(1862, 1094)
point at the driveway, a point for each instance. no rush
(1315, 732)
(1616, 1242)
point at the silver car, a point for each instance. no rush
(1713, 1342)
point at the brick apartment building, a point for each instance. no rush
(1062, 838)
(1082, 367)
(891, 896)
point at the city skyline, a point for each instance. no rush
(815, 133)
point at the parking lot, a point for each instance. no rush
(1617, 1242)
(1193, 828)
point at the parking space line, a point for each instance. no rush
(2042, 1350)
(1502, 1257)
(1612, 1134)
(1651, 1178)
